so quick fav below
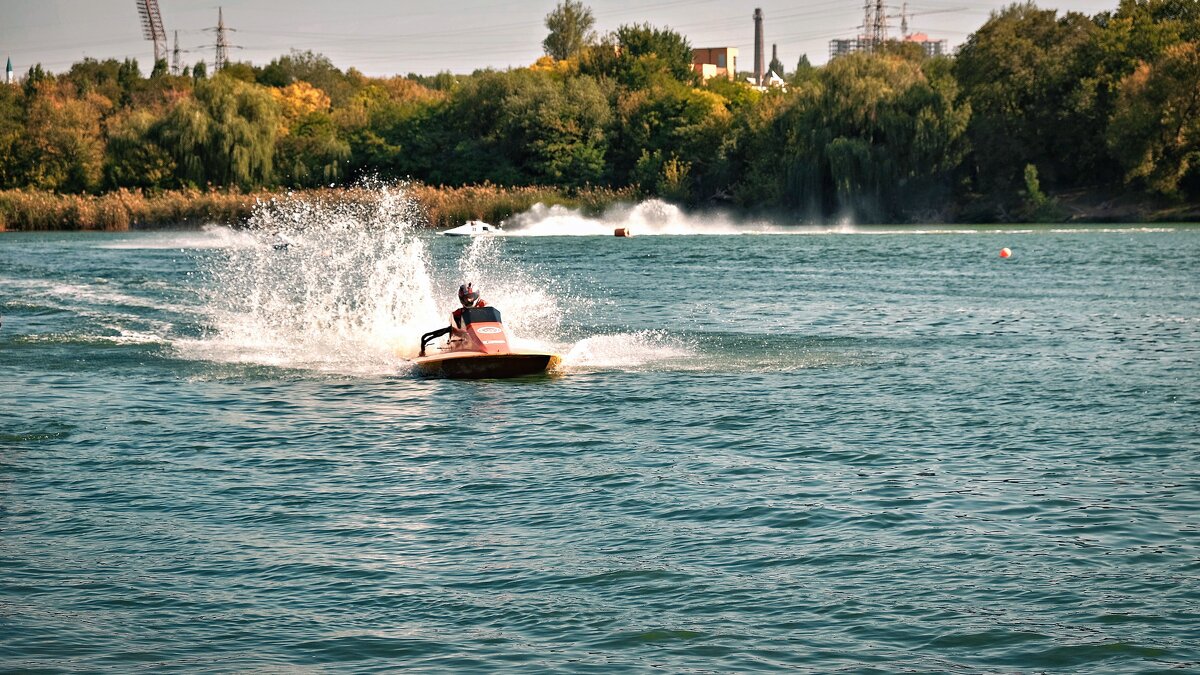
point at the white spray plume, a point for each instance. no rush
(651, 217)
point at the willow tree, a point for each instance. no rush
(224, 134)
(876, 137)
(134, 157)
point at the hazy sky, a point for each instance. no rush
(384, 37)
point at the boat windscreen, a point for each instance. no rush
(480, 315)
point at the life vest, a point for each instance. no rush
(456, 317)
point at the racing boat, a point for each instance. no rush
(472, 228)
(481, 350)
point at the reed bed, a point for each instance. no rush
(132, 209)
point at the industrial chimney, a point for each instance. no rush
(758, 47)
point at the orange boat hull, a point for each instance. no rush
(464, 365)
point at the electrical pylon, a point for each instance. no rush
(222, 57)
(152, 27)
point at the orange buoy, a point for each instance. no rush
(1005, 252)
(622, 232)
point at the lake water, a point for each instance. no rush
(861, 449)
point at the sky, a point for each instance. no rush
(389, 37)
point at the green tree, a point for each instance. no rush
(312, 154)
(641, 56)
(1138, 32)
(63, 144)
(12, 129)
(646, 48)
(129, 77)
(396, 128)
(33, 78)
(670, 136)
(238, 70)
(805, 71)
(315, 69)
(1155, 131)
(199, 71)
(528, 126)
(443, 81)
(762, 141)
(1022, 73)
(776, 66)
(1037, 207)
(570, 25)
(101, 77)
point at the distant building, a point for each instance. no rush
(860, 44)
(715, 62)
(843, 47)
(931, 47)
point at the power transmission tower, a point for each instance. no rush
(176, 64)
(222, 57)
(152, 27)
(866, 24)
(879, 27)
(222, 43)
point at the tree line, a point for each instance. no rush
(1033, 104)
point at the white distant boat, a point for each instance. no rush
(473, 228)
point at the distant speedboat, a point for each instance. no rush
(473, 228)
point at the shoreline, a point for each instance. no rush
(124, 210)
(443, 207)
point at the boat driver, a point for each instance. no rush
(469, 297)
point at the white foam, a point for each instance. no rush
(98, 300)
(656, 217)
(354, 289)
(652, 217)
(346, 295)
(207, 237)
(628, 351)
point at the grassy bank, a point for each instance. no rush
(441, 207)
(126, 209)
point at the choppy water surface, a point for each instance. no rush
(780, 449)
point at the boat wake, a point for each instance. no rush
(651, 217)
(349, 288)
(207, 237)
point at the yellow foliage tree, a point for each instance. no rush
(565, 67)
(63, 137)
(298, 100)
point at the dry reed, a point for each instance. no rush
(132, 209)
